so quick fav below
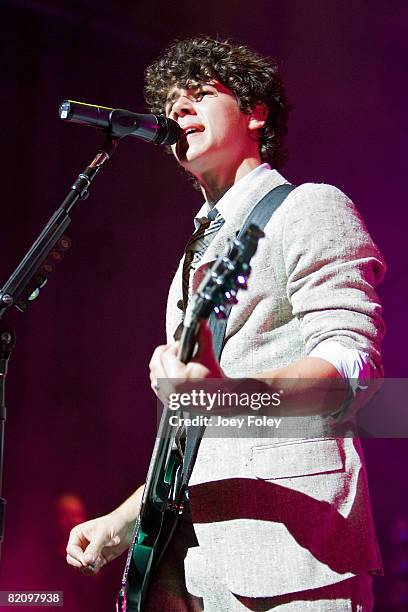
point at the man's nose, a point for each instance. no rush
(183, 106)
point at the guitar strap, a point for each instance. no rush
(260, 215)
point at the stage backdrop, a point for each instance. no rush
(81, 416)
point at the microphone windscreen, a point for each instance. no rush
(174, 133)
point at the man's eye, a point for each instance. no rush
(200, 94)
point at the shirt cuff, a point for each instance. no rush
(352, 364)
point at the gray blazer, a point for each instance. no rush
(281, 515)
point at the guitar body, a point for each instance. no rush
(155, 526)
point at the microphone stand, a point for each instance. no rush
(31, 274)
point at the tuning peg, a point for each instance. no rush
(64, 243)
(242, 281)
(231, 296)
(220, 312)
(217, 279)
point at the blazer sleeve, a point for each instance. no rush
(333, 267)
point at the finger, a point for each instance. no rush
(75, 552)
(155, 358)
(94, 549)
(174, 348)
(170, 362)
(74, 562)
(93, 568)
(156, 367)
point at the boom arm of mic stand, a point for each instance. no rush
(21, 277)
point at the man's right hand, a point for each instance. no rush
(93, 544)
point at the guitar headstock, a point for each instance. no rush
(225, 278)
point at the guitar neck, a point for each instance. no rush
(188, 341)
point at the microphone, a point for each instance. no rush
(118, 122)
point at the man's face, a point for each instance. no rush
(215, 129)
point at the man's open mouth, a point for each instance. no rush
(192, 130)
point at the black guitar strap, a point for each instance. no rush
(260, 215)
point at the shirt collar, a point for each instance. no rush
(237, 192)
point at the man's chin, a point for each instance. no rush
(196, 157)
(187, 154)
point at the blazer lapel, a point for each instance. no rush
(234, 219)
(217, 246)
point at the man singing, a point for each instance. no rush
(272, 523)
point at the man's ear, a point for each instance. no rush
(258, 116)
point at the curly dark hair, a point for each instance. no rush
(250, 76)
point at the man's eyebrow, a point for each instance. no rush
(176, 92)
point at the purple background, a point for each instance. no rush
(81, 416)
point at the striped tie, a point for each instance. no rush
(196, 247)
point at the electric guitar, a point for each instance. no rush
(166, 482)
